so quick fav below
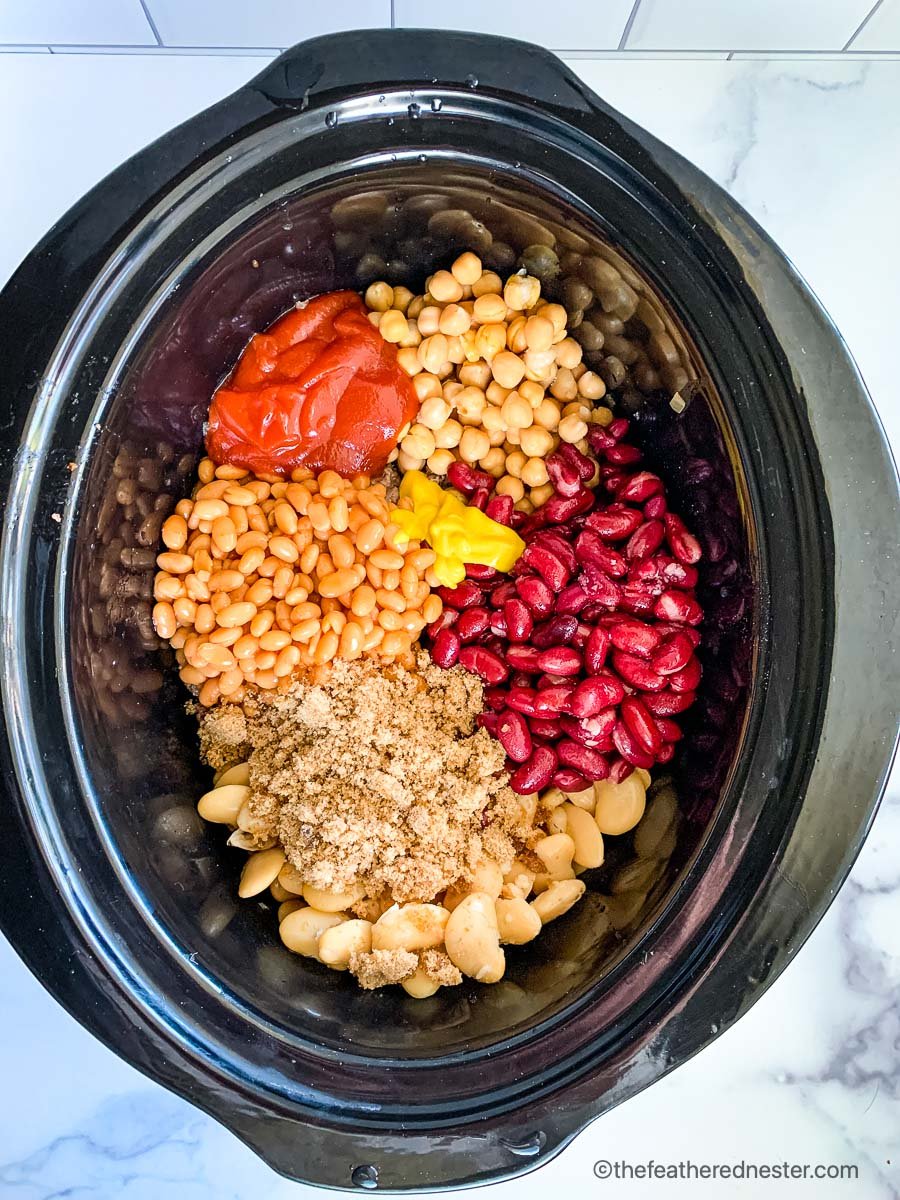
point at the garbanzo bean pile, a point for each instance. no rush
(365, 781)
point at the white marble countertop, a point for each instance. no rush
(812, 1073)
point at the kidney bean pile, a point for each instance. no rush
(588, 649)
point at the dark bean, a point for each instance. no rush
(589, 336)
(612, 371)
(576, 295)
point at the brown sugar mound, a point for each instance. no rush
(374, 780)
(381, 968)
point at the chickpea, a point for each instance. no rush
(516, 412)
(448, 435)
(419, 442)
(540, 365)
(473, 445)
(556, 315)
(454, 321)
(408, 359)
(435, 410)
(508, 369)
(536, 442)
(380, 297)
(496, 393)
(534, 473)
(568, 353)
(470, 404)
(514, 464)
(522, 292)
(406, 462)
(492, 419)
(572, 429)
(445, 287)
(564, 386)
(439, 462)
(490, 340)
(508, 486)
(413, 336)
(591, 386)
(489, 283)
(512, 440)
(477, 374)
(392, 326)
(540, 495)
(497, 437)
(494, 462)
(538, 333)
(402, 298)
(426, 385)
(429, 320)
(467, 269)
(533, 392)
(451, 390)
(515, 336)
(547, 414)
(490, 309)
(432, 353)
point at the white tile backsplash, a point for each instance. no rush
(745, 24)
(99, 22)
(882, 30)
(560, 25)
(262, 22)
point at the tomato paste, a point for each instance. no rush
(320, 388)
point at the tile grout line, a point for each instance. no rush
(866, 19)
(628, 24)
(151, 22)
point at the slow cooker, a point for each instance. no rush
(378, 154)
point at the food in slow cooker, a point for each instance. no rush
(428, 696)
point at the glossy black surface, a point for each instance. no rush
(318, 175)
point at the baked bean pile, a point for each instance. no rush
(264, 576)
(500, 382)
(471, 922)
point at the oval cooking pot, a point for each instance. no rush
(384, 153)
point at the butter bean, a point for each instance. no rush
(517, 921)
(340, 942)
(259, 872)
(558, 899)
(472, 939)
(300, 930)
(410, 927)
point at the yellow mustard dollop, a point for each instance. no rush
(458, 533)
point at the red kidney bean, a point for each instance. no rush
(637, 672)
(518, 519)
(612, 478)
(472, 623)
(560, 660)
(564, 477)
(679, 575)
(446, 647)
(503, 592)
(548, 565)
(666, 753)
(552, 701)
(447, 618)
(535, 774)
(669, 704)
(567, 779)
(519, 621)
(550, 680)
(484, 663)
(467, 479)
(498, 625)
(558, 545)
(591, 732)
(536, 594)
(464, 595)
(592, 695)
(581, 635)
(623, 456)
(513, 735)
(634, 637)
(669, 730)
(589, 763)
(596, 650)
(500, 509)
(630, 748)
(620, 770)
(687, 679)
(637, 600)
(520, 679)
(489, 721)
(558, 631)
(523, 658)
(668, 629)
(599, 440)
(641, 724)
(590, 548)
(640, 487)
(672, 655)
(481, 574)
(676, 606)
(495, 698)
(614, 524)
(582, 464)
(522, 700)
(562, 508)
(599, 587)
(572, 599)
(479, 498)
(684, 545)
(655, 507)
(549, 728)
(646, 541)
(618, 428)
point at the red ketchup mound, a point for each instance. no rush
(321, 388)
(588, 652)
